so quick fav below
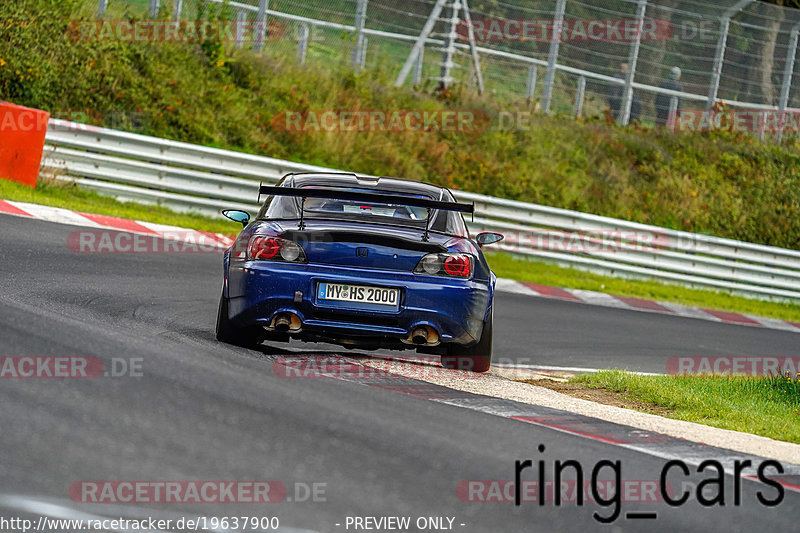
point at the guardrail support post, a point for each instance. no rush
(719, 56)
(418, 64)
(531, 82)
(627, 95)
(673, 113)
(420, 43)
(786, 86)
(449, 49)
(473, 47)
(302, 44)
(555, 41)
(241, 22)
(579, 97)
(154, 5)
(364, 53)
(176, 14)
(361, 20)
(261, 25)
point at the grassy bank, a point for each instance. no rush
(766, 406)
(720, 184)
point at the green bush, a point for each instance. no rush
(716, 183)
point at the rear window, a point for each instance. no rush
(350, 208)
(288, 208)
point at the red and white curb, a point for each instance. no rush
(637, 304)
(88, 220)
(217, 240)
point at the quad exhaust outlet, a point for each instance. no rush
(423, 336)
(287, 322)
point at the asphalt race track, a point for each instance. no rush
(207, 411)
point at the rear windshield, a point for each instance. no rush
(325, 208)
(287, 207)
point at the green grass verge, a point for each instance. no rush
(766, 406)
(509, 267)
(716, 183)
(68, 196)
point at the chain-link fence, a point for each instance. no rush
(639, 60)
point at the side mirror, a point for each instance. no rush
(237, 216)
(488, 238)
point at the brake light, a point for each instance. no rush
(458, 265)
(262, 247)
(454, 265)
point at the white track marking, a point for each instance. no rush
(55, 214)
(598, 298)
(514, 287)
(580, 369)
(773, 323)
(689, 312)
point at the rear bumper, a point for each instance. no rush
(258, 291)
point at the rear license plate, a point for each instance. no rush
(358, 293)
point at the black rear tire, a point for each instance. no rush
(229, 333)
(477, 358)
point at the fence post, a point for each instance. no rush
(361, 20)
(786, 86)
(719, 56)
(101, 7)
(176, 14)
(549, 77)
(302, 44)
(449, 49)
(433, 18)
(627, 95)
(531, 82)
(261, 24)
(579, 96)
(364, 45)
(154, 5)
(241, 21)
(418, 66)
(673, 113)
(476, 62)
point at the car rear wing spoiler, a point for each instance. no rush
(366, 197)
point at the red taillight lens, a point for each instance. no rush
(454, 265)
(269, 248)
(264, 247)
(458, 265)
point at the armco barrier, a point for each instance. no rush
(196, 178)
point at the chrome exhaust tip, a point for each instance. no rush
(287, 322)
(283, 323)
(421, 336)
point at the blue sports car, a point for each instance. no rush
(364, 263)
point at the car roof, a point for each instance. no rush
(383, 183)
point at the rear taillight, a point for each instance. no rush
(453, 265)
(266, 248)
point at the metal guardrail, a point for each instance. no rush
(190, 177)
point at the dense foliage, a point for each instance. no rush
(717, 183)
